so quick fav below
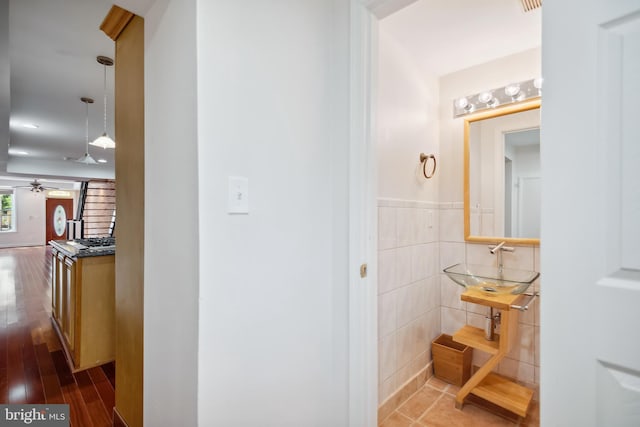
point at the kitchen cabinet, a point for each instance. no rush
(83, 308)
(55, 286)
(69, 292)
(58, 301)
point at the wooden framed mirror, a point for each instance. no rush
(502, 175)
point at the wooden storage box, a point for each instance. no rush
(451, 360)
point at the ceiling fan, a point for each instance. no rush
(36, 186)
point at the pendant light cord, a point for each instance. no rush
(86, 132)
(105, 98)
(87, 159)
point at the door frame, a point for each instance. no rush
(363, 354)
(363, 242)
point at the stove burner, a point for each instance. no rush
(97, 241)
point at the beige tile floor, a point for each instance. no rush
(434, 406)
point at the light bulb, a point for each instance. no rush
(462, 102)
(512, 90)
(485, 97)
(537, 83)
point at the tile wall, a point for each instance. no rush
(416, 302)
(408, 290)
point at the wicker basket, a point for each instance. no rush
(451, 360)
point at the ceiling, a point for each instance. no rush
(523, 138)
(450, 35)
(52, 50)
(52, 47)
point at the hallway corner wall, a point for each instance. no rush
(171, 216)
(407, 206)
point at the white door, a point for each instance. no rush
(590, 304)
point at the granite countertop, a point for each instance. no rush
(76, 250)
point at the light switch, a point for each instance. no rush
(238, 202)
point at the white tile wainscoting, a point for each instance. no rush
(408, 290)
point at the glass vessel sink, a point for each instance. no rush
(491, 280)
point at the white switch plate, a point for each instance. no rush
(238, 202)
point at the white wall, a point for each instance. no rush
(171, 236)
(271, 103)
(407, 120)
(30, 220)
(273, 107)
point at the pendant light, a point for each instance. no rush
(104, 140)
(86, 159)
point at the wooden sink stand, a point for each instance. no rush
(484, 383)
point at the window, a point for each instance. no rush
(7, 209)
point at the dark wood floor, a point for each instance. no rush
(32, 364)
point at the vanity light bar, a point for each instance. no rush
(509, 94)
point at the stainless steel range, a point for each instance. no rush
(94, 244)
(97, 241)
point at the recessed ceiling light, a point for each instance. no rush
(102, 161)
(30, 126)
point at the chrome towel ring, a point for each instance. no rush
(424, 159)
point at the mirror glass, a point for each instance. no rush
(502, 175)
